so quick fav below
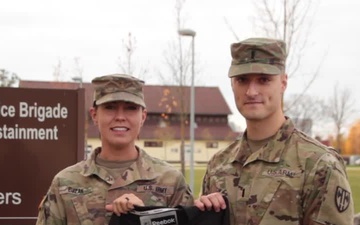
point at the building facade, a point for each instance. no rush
(166, 129)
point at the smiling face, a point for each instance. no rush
(119, 123)
(259, 96)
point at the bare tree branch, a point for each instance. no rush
(78, 71)
(307, 86)
(8, 79)
(231, 29)
(178, 61)
(307, 111)
(126, 62)
(58, 71)
(340, 108)
(291, 21)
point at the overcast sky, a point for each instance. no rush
(36, 34)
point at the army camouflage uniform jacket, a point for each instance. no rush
(78, 194)
(292, 180)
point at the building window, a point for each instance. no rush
(212, 144)
(162, 123)
(174, 150)
(153, 143)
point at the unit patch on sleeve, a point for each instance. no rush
(342, 199)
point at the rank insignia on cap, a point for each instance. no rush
(342, 199)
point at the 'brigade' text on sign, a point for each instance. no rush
(41, 132)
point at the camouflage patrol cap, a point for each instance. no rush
(118, 87)
(258, 55)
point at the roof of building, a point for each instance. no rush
(158, 98)
(208, 100)
(163, 99)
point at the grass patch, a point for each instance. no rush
(354, 179)
(353, 174)
(198, 177)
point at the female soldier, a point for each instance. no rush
(119, 174)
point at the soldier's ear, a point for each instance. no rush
(143, 117)
(284, 79)
(93, 114)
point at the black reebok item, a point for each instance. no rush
(180, 215)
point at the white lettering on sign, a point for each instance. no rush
(10, 198)
(15, 133)
(7, 111)
(42, 112)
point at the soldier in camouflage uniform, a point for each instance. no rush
(273, 174)
(118, 175)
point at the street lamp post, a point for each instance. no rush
(191, 33)
(79, 80)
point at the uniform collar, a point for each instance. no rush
(142, 168)
(271, 152)
(90, 167)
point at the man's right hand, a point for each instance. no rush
(211, 201)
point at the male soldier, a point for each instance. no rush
(119, 174)
(274, 174)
